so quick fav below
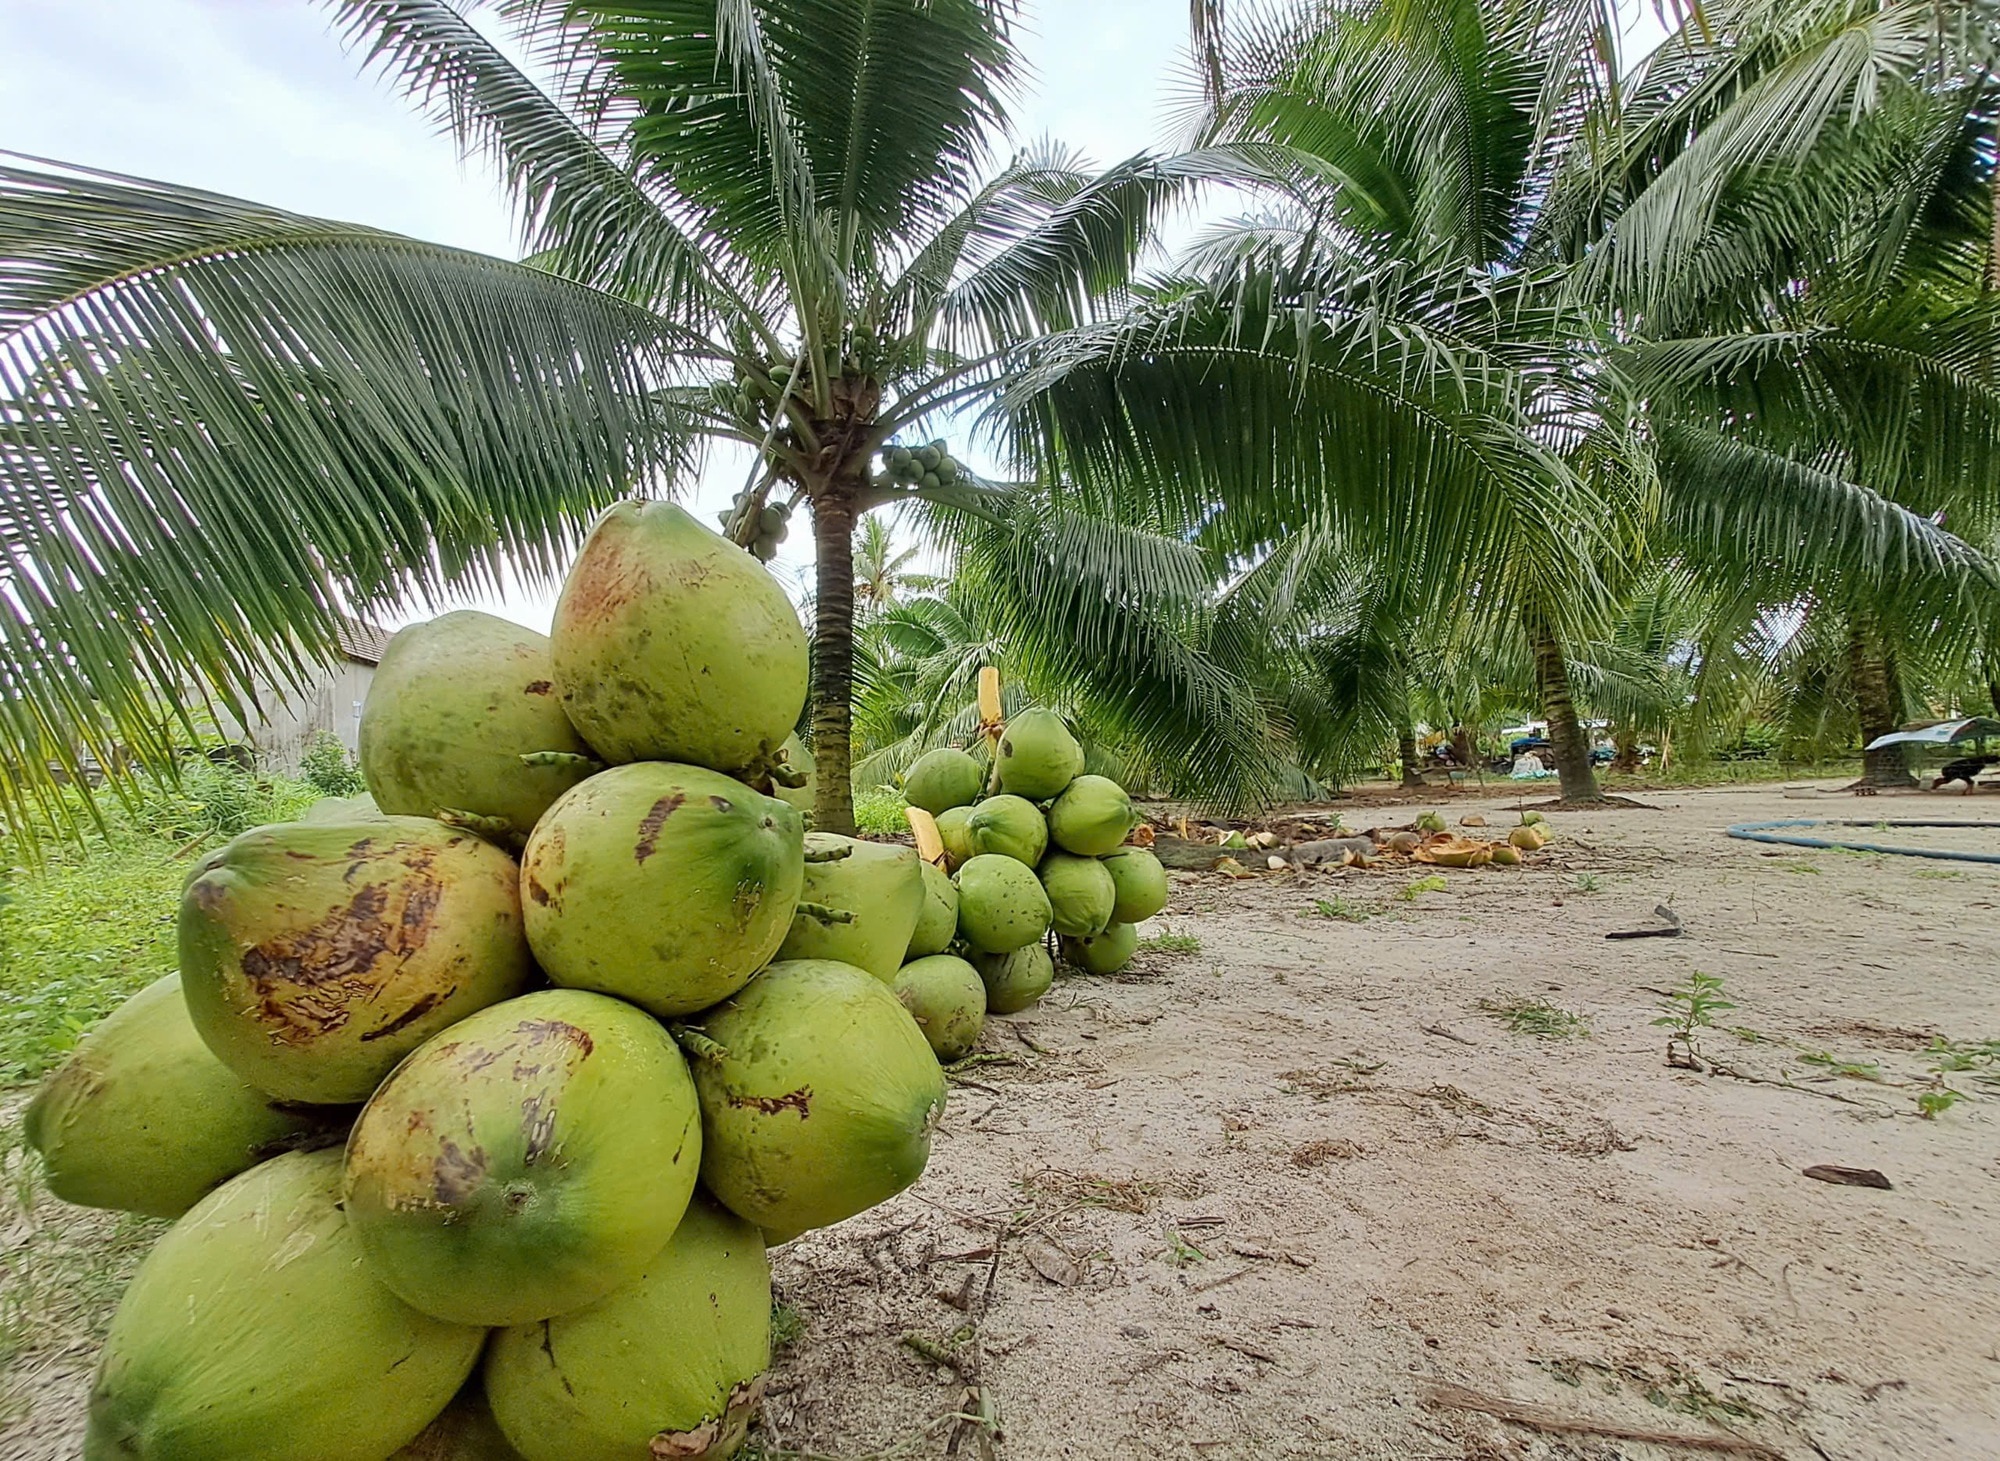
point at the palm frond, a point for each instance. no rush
(582, 211)
(222, 426)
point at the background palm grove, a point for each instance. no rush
(1499, 373)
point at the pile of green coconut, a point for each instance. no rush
(478, 1101)
(1012, 854)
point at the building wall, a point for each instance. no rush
(291, 721)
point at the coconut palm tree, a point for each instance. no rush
(879, 569)
(778, 224)
(1469, 208)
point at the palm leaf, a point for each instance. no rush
(222, 426)
(583, 212)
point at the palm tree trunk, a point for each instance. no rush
(1572, 747)
(1406, 751)
(1878, 702)
(833, 664)
(1463, 750)
(1626, 739)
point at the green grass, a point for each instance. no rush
(1343, 909)
(95, 922)
(788, 1326)
(1536, 1017)
(1172, 943)
(1857, 1070)
(76, 939)
(879, 813)
(1729, 773)
(1588, 883)
(1435, 883)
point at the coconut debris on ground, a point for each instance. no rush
(1343, 1169)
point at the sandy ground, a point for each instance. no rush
(1297, 1194)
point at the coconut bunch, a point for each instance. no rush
(1013, 858)
(478, 1101)
(774, 525)
(930, 467)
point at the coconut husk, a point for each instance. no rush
(1450, 851)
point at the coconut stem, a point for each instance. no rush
(473, 822)
(831, 854)
(784, 776)
(561, 761)
(825, 914)
(697, 1044)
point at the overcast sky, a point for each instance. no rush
(257, 98)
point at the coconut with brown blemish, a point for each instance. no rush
(314, 956)
(670, 643)
(526, 1162)
(669, 1368)
(663, 884)
(455, 705)
(818, 1097)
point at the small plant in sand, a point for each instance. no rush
(1435, 883)
(1172, 943)
(1935, 1102)
(1342, 909)
(1537, 1017)
(1690, 1011)
(1588, 883)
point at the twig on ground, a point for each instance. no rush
(1541, 1418)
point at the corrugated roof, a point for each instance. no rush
(362, 641)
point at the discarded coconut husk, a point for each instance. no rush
(1449, 851)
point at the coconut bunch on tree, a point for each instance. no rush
(478, 1101)
(1024, 858)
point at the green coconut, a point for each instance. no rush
(526, 1162)
(671, 1365)
(937, 924)
(943, 779)
(466, 1431)
(1141, 884)
(1093, 817)
(946, 998)
(1010, 826)
(1103, 953)
(818, 1097)
(1038, 756)
(663, 884)
(1001, 904)
(955, 833)
(142, 1117)
(1081, 893)
(797, 758)
(453, 707)
(670, 643)
(255, 1332)
(314, 956)
(880, 884)
(1015, 981)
